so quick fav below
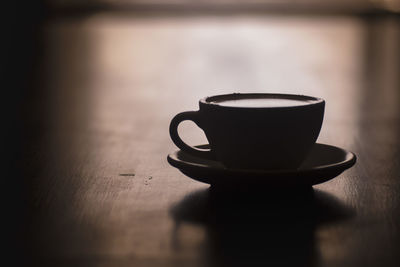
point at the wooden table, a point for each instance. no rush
(98, 188)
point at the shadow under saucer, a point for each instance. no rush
(258, 228)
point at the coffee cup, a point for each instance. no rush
(255, 131)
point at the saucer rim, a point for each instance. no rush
(348, 162)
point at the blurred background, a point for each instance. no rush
(89, 76)
(94, 52)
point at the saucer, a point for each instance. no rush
(324, 162)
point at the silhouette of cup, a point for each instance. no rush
(255, 131)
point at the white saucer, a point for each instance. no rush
(324, 162)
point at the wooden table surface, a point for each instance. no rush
(98, 188)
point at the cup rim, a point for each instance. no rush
(315, 100)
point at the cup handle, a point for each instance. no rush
(173, 131)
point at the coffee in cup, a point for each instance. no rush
(255, 131)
